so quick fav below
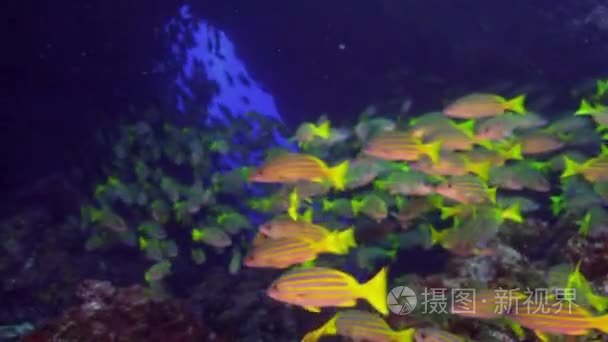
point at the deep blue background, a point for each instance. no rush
(74, 66)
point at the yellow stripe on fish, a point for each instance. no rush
(401, 146)
(295, 167)
(317, 287)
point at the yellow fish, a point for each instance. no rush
(456, 164)
(479, 105)
(308, 131)
(317, 287)
(467, 190)
(359, 326)
(281, 253)
(539, 143)
(551, 317)
(283, 227)
(295, 167)
(598, 112)
(401, 146)
(593, 170)
(286, 245)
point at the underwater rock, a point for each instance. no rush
(238, 304)
(128, 314)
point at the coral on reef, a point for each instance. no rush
(107, 313)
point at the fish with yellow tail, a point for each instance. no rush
(593, 170)
(498, 156)
(282, 227)
(296, 167)
(467, 190)
(597, 111)
(479, 105)
(452, 163)
(401, 146)
(359, 326)
(331, 241)
(317, 287)
(291, 247)
(281, 253)
(308, 131)
(555, 317)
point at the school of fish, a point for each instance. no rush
(458, 176)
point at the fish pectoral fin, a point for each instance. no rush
(312, 309)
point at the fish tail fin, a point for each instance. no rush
(485, 143)
(604, 151)
(447, 212)
(356, 206)
(571, 168)
(347, 237)
(601, 128)
(516, 104)
(514, 153)
(197, 235)
(338, 242)
(337, 174)
(313, 336)
(602, 324)
(601, 87)
(375, 291)
(380, 184)
(326, 204)
(513, 213)
(482, 169)
(323, 130)
(406, 335)
(467, 127)
(294, 205)
(435, 200)
(432, 150)
(585, 108)
(492, 194)
(307, 216)
(585, 224)
(436, 235)
(327, 329)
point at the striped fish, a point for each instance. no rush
(281, 253)
(480, 105)
(539, 143)
(498, 156)
(401, 146)
(594, 169)
(285, 227)
(455, 164)
(555, 318)
(326, 241)
(365, 326)
(359, 326)
(294, 167)
(467, 190)
(317, 287)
